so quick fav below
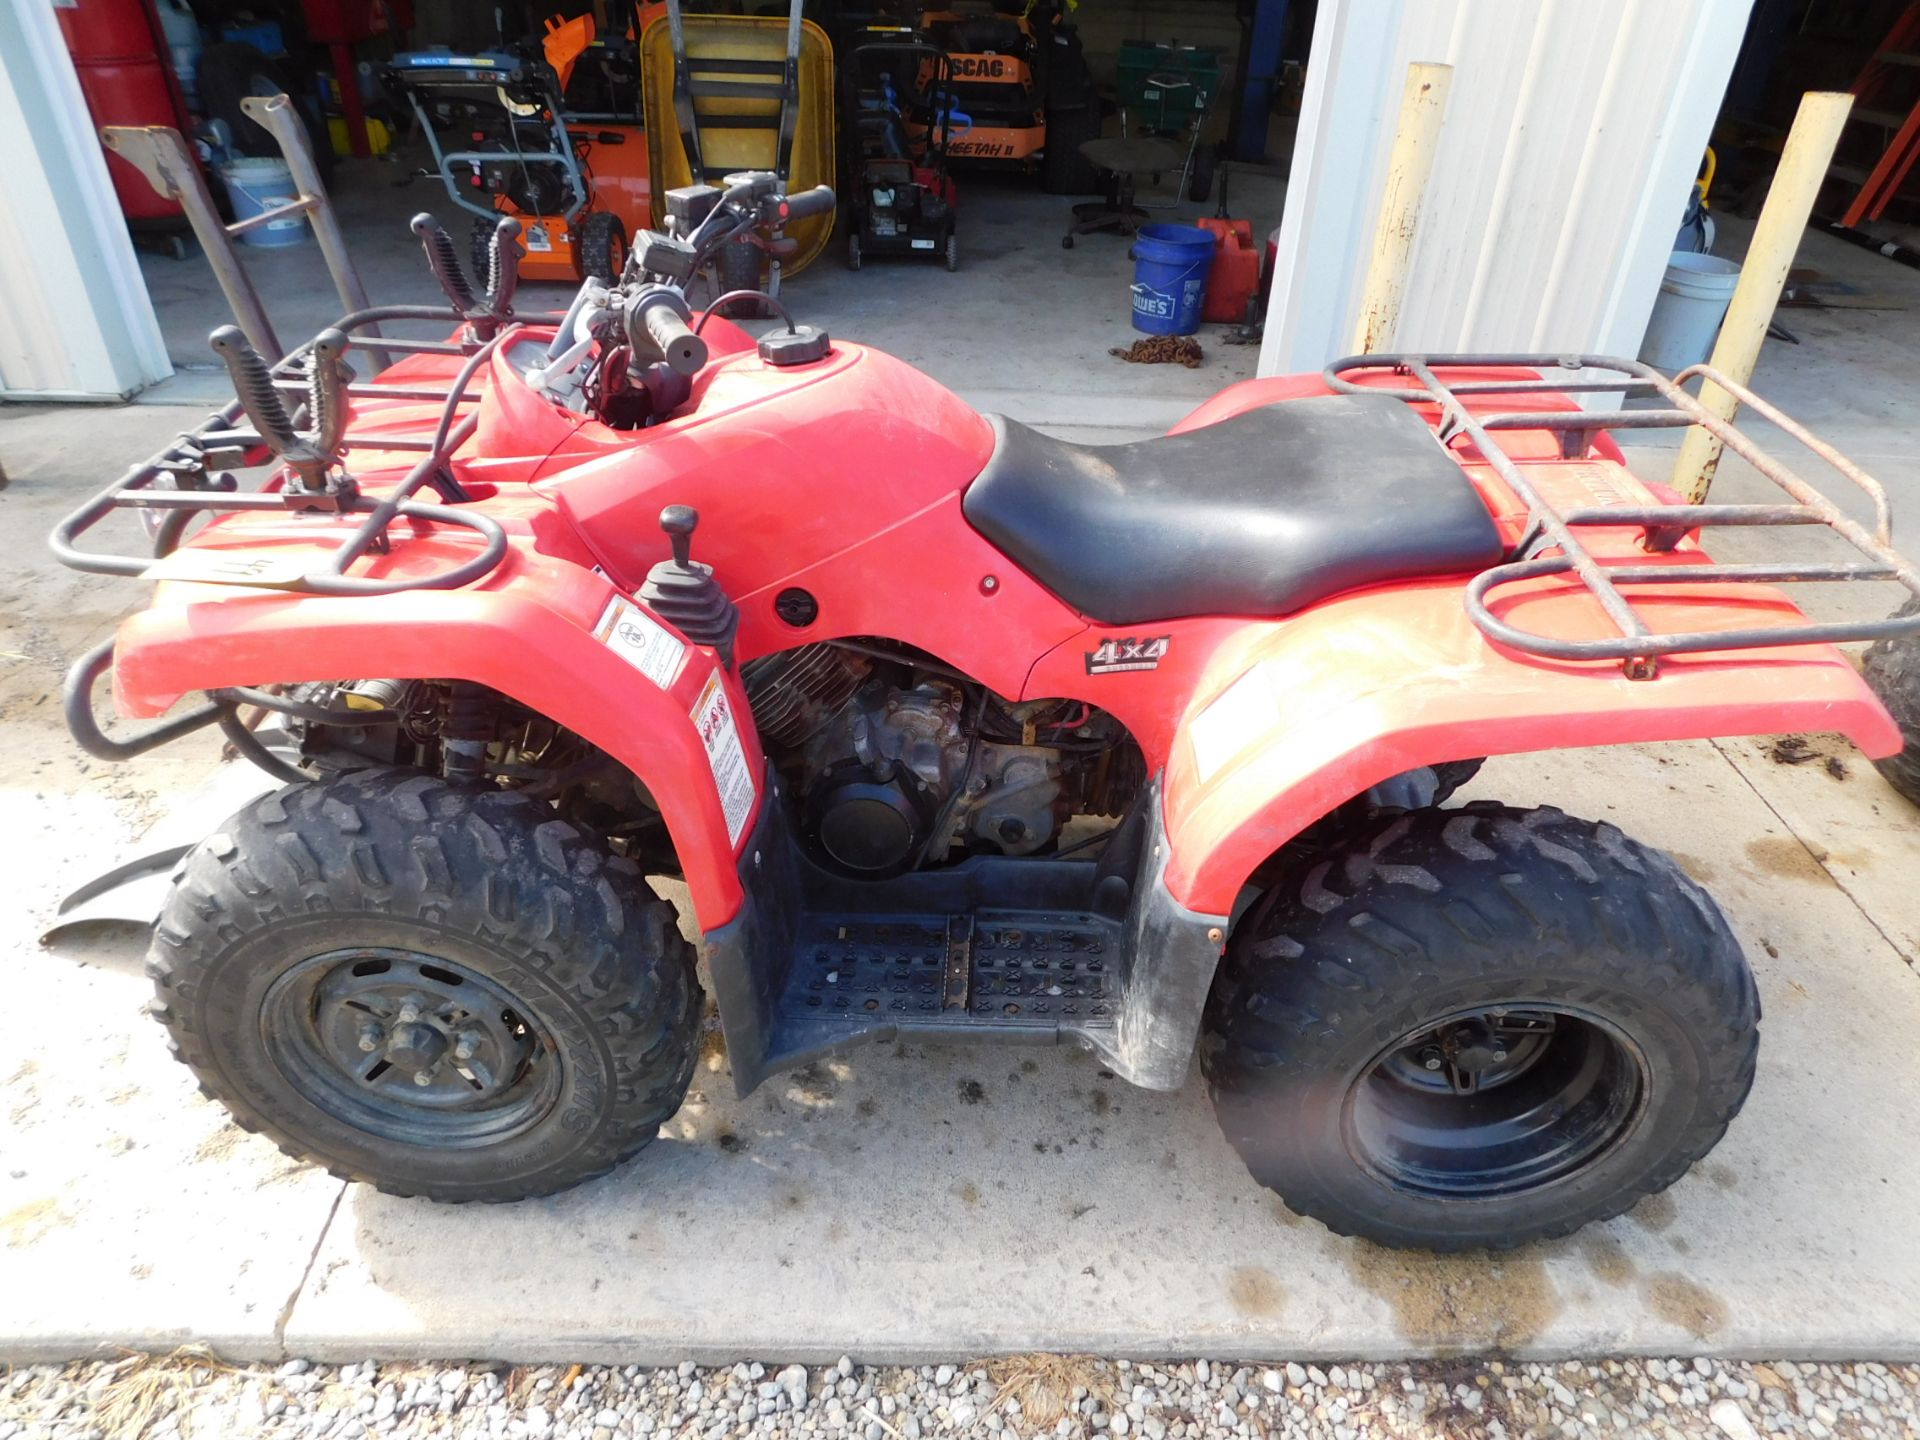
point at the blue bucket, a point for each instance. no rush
(256, 184)
(1170, 264)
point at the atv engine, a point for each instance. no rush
(900, 762)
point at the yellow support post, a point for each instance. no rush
(1423, 106)
(1776, 238)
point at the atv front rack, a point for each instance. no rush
(191, 476)
(1549, 545)
(305, 446)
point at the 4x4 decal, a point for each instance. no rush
(1116, 655)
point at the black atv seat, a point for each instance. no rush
(1262, 514)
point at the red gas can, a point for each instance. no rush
(1235, 274)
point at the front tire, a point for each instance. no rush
(1892, 668)
(1479, 1027)
(435, 990)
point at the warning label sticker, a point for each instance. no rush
(713, 717)
(640, 640)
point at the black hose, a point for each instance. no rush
(1892, 249)
(248, 746)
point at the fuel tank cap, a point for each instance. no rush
(800, 346)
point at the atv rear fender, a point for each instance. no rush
(533, 642)
(1288, 720)
(1318, 709)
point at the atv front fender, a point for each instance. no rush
(1330, 702)
(533, 643)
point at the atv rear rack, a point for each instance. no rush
(1664, 526)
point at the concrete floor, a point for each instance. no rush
(871, 1205)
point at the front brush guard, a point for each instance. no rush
(76, 701)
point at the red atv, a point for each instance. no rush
(954, 732)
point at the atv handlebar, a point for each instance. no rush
(818, 201)
(684, 351)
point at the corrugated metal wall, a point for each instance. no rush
(75, 320)
(1573, 131)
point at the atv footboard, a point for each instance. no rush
(1016, 950)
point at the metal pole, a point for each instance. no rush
(159, 153)
(276, 113)
(1423, 106)
(1783, 220)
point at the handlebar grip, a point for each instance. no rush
(817, 201)
(684, 351)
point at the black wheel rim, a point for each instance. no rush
(410, 1047)
(1495, 1102)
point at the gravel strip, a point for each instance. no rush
(197, 1397)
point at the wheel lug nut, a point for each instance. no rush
(370, 1037)
(1432, 1058)
(423, 1078)
(1499, 1054)
(465, 1046)
(409, 1013)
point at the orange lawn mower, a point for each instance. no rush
(577, 192)
(1019, 73)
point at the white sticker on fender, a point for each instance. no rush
(640, 640)
(713, 717)
(1233, 720)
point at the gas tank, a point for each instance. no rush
(786, 466)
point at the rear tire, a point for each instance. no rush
(953, 252)
(1200, 182)
(739, 265)
(602, 248)
(853, 250)
(1394, 1025)
(335, 942)
(1892, 668)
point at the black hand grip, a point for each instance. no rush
(817, 201)
(684, 351)
(503, 266)
(253, 383)
(327, 390)
(444, 261)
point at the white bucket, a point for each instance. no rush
(1693, 300)
(258, 183)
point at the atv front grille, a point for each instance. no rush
(1550, 546)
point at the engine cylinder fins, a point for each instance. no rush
(795, 694)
